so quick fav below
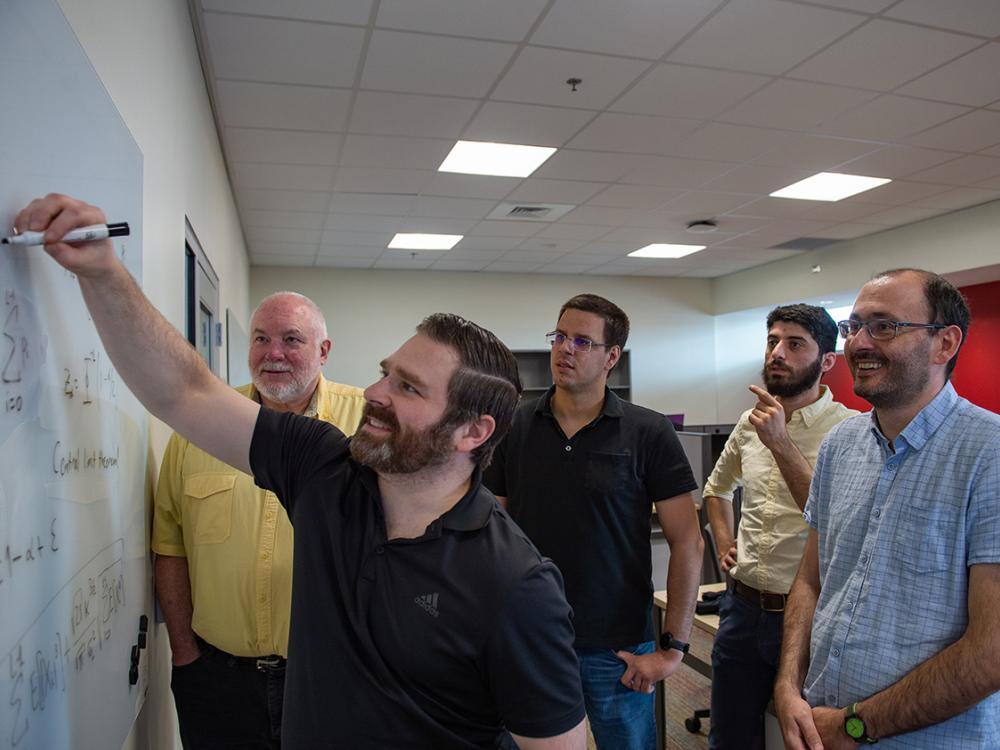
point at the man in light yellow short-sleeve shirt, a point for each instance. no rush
(224, 546)
(770, 454)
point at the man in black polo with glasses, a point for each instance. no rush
(579, 471)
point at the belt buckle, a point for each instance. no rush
(268, 662)
(763, 598)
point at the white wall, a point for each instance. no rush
(369, 313)
(144, 52)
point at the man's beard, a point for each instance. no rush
(902, 379)
(403, 451)
(281, 393)
(792, 385)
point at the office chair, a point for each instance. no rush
(693, 722)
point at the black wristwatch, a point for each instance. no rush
(667, 641)
(854, 725)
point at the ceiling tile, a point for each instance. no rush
(678, 173)
(342, 11)
(838, 212)
(398, 153)
(602, 215)
(291, 249)
(501, 266)
(702, 204)
(527, 124)
(899, 193)
(335, 237)
(501, 228)
(532, 256)
(508, 21)
(371, 252)
(437, 225)
(368, 203)
(422, 64)
(451, 208)
(380, 180)
(268, 105)
(378, 113)
(537, 190)
(796, 105)
(283, 219)
(974, 16)
(282, 200)
(488, 244)
(314, 54)
(889, 118)
(539, 76)
(456, 264)
(896, 161)
(961, 171)
(469, 185)
(900, 215)
(640, 28)
(287, 146)
(415, 261)
(849, 231)
(776, 208)
(972, 132)
(333, 262)
(671, 89)
(267, 259)
(764, 36)
(568, 164)
(364, 223)
(962, 81)
(862, 6)
(281, 176)
(958, 198)
(757, 178)
(548, 245)
(883, 55)
(722, 142)
(634, 133)
(277, 235)
(560, 267)
(642, 197)
(815, 153)
(582, 232)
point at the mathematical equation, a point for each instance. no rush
(95, 378)
(19, 556)
(47, 667)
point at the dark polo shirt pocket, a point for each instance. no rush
(608, 473)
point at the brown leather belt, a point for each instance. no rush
(766, 600)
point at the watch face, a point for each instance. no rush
(854, 727)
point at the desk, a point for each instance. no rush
(707, 623)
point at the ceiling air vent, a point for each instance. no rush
(530, 211)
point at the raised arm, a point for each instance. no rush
(768, 418)
(156, 363)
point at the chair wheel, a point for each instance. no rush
(693, 725)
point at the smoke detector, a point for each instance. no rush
(702, 226)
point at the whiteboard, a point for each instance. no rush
(74, 558)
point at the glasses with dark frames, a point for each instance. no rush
(579, 343)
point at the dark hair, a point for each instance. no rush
(615, 319)
(945, 304)
(486, 381)
(814, 319)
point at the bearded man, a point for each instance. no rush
(770, 454)
(224, 545)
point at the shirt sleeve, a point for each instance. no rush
(533, 669)
(288, 451)
(667, 472)
(819, 481)
(983, 524)
(727, 474)
(168, 533)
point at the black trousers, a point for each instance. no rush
(226, 702)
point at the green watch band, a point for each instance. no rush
(854, 726)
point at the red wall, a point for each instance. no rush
(977, 375)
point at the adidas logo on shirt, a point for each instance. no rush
(428, 603)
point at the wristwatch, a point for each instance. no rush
(667, 641)
(854, 725)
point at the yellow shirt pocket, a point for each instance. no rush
(208, 501)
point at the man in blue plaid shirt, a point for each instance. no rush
(892, 631)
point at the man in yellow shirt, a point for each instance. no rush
(224, 546)
(770, 454)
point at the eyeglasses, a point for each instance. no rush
(881, 330)
(579, 343)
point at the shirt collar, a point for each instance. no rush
(612, 403)
(813, 411)
(926, 422)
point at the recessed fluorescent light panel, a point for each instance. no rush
(829, 186)
(404, 241)
(495, 159)
(665, 251)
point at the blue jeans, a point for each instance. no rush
(620, 719)
(744, 665)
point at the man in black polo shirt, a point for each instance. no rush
(421, 615)
(579, 472)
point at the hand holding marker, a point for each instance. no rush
(83, 234)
